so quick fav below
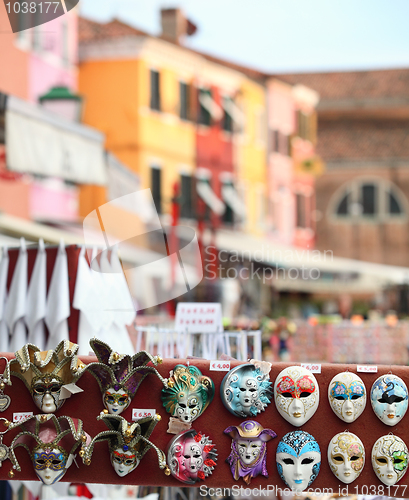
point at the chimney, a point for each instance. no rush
(175, 26)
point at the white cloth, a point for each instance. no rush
(37, 299)
(4, 332)
(16, 303)
(58, 301)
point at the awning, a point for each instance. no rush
(231, 197)
(212, 107)
(40, 142)
(208, 196)
(234, 111)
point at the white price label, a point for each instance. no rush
(138, 413)
(220, 366)
(19, 417)
(367, 369)
(312, 367)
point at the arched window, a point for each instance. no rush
(363, 200)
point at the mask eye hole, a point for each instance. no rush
(398, 399)
(287, 395)
(128, 462)
(356, 396)
(305, 394)
(288, 461)
(242, 389)
(383, 401)
(39, 389)
(123, 400)
(40, 461)
(54, 388)
(307, 461)
(111, 400)
(397, 460)
(354, 458)
(182, 405)
(253, 390)
(117, 460)
(381, 460)
(339, 398)
(56, 462)
(186, 456)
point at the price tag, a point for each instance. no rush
(138, 413)
(19, 417)
(312, 367)
(220, 366)
(367, 369)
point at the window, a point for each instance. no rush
(227, 124)
(306, 126)
(155, 90)
(301, 210)
(156, 188)
(184, 98)
(280, 143)
(365, 200)
(228, 216)
(186, 197)
(204, 117)
(65, 44)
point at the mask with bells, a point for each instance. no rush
(389, 399)
(389, 459)
(51, 443)
(347, 396)
(45, 372)
(191, 456)
(298, 460)
(120, 375)
(188, 394)
(346, 456)
(128, 443)
(296, 394)
(246, 390)
(248, 457)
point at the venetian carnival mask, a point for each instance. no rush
(248, 457)
(346, 456)
(128, 443)
(191, 456)
(120, 375)
(389, 399)
(298, 460)
(347, 396)
(390, 459)
(296, 395)
(51, 443)
(246, 390)
(45, 373)
(188, 393)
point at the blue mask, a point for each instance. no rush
(389, 399)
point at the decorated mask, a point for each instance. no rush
(390, 459)
(389, 398)
(128, 443)
(188, 393)
(120, 375)
(248, 457)
(45, 373)
(298, 460)
(51, 443)
(347, 396)
(346, 456)
(296, 395)
(191, 456)
(246, 390)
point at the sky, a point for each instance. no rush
(281, 35)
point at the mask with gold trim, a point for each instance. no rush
(45, 373)
(346, 456)
(347, 396)
(51, 443)
(389, 459)
(128, 443)
(120, 375)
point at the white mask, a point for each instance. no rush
(116, 401)
(298, 460)
(50, 464)
(389, 398)
(124, 462)
(249, 449)
(296, 395)
(346, 456)
(347, 396)
(390, 459)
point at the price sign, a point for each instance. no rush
(367, 369)
(20, 416)
(312, 367)
(138, 413)
(220, 366)
(198, 317)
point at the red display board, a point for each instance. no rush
(323, 426)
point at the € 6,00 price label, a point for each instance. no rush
(20, 416)
(138, 413)
(220, 366)
(312, 367)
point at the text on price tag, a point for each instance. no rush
(220, 366)
(22, 415)
(312, 367)
(367, 369)
(138, 413)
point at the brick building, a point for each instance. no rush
(363, 137)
